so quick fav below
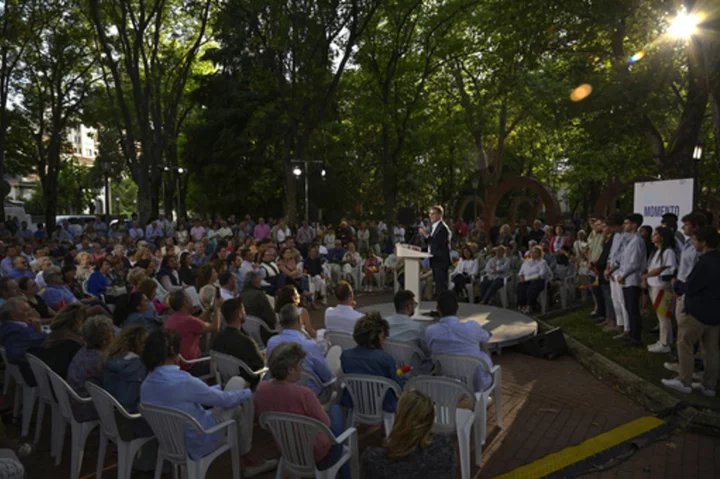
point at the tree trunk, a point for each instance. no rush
(3, 139)
(290, 181)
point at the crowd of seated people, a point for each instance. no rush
(145, 335)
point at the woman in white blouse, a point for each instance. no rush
(465, 271)
(533, 275)
(352, 262)
(661, 269)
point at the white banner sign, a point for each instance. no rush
(656, 198)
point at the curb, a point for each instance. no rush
(648, 395)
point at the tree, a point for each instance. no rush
(147, 50)
(57, 80)
(18, 22)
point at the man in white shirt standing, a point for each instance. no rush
(632, 265)
(342, 318)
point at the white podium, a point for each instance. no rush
(412, 257)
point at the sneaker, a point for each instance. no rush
(676, 385)
(621, 336)
(707, 392)
(674, 367)
(267, 466)
(658, 348)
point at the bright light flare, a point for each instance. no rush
(581, 92)
(637, 57)
(684, 25)
(297, 171)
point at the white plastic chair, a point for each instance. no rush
(446, 393)
(45, 397)
(106, 405)
(328, 392)
(543, 298)
(344, 340)
(332, 357)
(462, 368)
(206, 377)
(295, 437)
(24, 394)
(403, 352)
(169, 426)
(368, 394)
(80, 430)
(253, 327)
(567, 291)
(229, 366)
(8, 376)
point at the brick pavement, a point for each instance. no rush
(548, 405)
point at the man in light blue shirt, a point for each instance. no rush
(168, 386)
(450, 336)
(495, 272)
(631, 267)
(615, 224)
(314, 361)
(404, 328)
(153, 231)
(688, 257)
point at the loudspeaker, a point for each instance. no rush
(406, 216)
(548, 345)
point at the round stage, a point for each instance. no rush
(508, 327)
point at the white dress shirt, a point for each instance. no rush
(535, 269)
(633, 261)
(341, 319)
(662, 259)
(466, 266)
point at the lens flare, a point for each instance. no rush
(684, 25)
(581, 92)
(637, 57)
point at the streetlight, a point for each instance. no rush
(697, 152)
(297, 172)
(697, 156)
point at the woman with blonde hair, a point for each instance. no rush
(136, 276)
(123, 369)
(84, 268)
(65, 338)
(412, 451)
(533, 276)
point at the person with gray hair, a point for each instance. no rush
(257, 303)
(87, 364)
(283, 394)
(314, 361)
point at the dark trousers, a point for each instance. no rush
(460, 281)
(607, 302)
(598, 294)
(440, 276)
(489, 287)
(632, 294)
(528, 291)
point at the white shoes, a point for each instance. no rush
(658, 348)
(707, 392)
(675, 367)
(677, 385)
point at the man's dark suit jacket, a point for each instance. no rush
(439, 246)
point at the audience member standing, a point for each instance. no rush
(700, 321)
(661, 269)
(632, 265)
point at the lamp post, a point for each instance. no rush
(297, 172)
(475, 184)
(697, 156)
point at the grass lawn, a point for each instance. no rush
(649, 366)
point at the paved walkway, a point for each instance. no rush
(548, 405)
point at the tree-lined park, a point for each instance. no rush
(221, 106)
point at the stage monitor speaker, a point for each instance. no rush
(406, 216)
(548, 345)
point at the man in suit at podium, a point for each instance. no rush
(438, 241)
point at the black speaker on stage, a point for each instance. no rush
(406, 216)
(548, 345)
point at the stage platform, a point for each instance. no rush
(508, 327)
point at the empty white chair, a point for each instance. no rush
(106, 406)
(446, 393)
(543, 298)
(45, 397)
(253, 327)
(344, 340)
(169, 426)
(462, 368)
(24, 394)
(368, 394)
(80, 430)
(229, 366)
(567, 291)
(295, 437)
(403, 352)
